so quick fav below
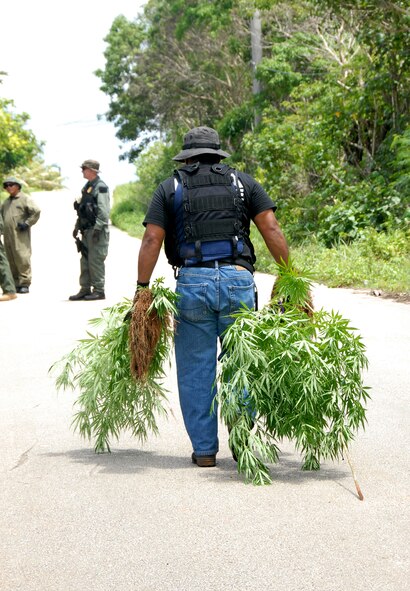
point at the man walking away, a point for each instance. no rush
(203, 214)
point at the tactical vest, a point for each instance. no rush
(208, 212)
(87, 209)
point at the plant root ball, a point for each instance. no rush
(144, 334)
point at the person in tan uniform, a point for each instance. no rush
(19, 212)
(6, 278)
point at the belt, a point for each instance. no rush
(211, 264)
(215, 265)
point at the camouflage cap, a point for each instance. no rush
(12, 179)
(200, 140)
(91, 164)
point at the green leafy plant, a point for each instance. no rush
(287, 375)
(110, 399)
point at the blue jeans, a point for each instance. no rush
(208, 296)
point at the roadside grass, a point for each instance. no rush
(127, 213)
(345, 265)
(376, 262)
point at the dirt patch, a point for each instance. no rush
(403, 298)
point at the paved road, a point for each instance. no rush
(146, 519)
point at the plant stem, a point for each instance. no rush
(350, 461)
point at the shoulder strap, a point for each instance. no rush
(177, 206)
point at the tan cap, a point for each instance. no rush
(91, 164)
(12, 180)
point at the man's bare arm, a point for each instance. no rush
(273, 236)
(149, 251)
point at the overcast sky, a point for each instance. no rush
(50, 50)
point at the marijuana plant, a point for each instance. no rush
(289, 373)
(111, 399)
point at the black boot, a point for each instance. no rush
(81, 295)
(96, 295)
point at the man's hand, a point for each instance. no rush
(140, 287)
(22, 226)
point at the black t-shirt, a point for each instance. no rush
(160, 213)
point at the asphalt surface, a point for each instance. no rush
(143, 518)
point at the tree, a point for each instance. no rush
(39, 176)
(332, 103)
(335, 96)
(163, 76)
(17, 144)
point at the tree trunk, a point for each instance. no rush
(256, 46)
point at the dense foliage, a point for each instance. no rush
(328, 131)
(174, 66)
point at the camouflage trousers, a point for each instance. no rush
(6, 278)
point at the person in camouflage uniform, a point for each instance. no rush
(93, 213)
(19, 213)
(6, 278)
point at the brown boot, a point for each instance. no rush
(7, 296)
(204, 461)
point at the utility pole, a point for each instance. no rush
(256, 46)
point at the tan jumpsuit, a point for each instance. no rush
(17, 243)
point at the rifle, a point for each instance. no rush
(81, 247)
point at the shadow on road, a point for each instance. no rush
(132, 461)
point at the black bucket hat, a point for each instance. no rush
(200, 140)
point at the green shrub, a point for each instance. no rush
(153, 166)
(385, 245)
(358, 207)
(127, 213)
(130, 201)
